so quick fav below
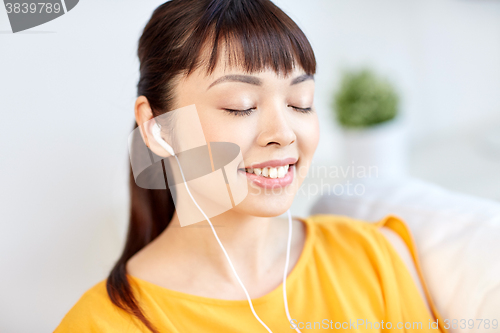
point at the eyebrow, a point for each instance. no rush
(255, 80)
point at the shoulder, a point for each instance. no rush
(389, 233)
(335, 229)
(94, 312)
(381, 242)
(353, 243)
(390, 228)
(388, 242)
(332, 222)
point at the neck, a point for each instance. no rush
(254, 244)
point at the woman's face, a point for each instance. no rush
(273, 121)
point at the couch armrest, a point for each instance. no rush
(457, 237)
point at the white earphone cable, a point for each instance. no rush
(160, 140)
(223, 250)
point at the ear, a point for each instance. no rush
(145, 121)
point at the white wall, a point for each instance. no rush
(66, 98)
(444, 56)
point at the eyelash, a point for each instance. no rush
(247, 112)
(303, 110)
(240, 113)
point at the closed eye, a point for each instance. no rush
(246, 112)
(249, 111)
(304, 110)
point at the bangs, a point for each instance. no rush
(253, 35)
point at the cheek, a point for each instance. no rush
(308, 136)
(219, 127)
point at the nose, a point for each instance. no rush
(276, 128)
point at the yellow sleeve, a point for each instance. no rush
(397, 225)
(94, 312)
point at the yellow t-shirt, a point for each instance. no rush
(348, 277)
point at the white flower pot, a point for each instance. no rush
(381, 151)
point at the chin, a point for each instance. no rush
(266, 205)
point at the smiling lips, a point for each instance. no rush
(271, 174)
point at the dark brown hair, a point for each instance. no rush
(255, 34)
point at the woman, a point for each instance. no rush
(249, 71)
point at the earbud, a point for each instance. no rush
(157, 135)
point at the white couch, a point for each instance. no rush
(457, 237)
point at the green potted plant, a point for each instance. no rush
(367, 109)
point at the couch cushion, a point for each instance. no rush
(457, 237)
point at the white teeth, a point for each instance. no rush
(270, 172)
(273, 173)
(281, 172)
